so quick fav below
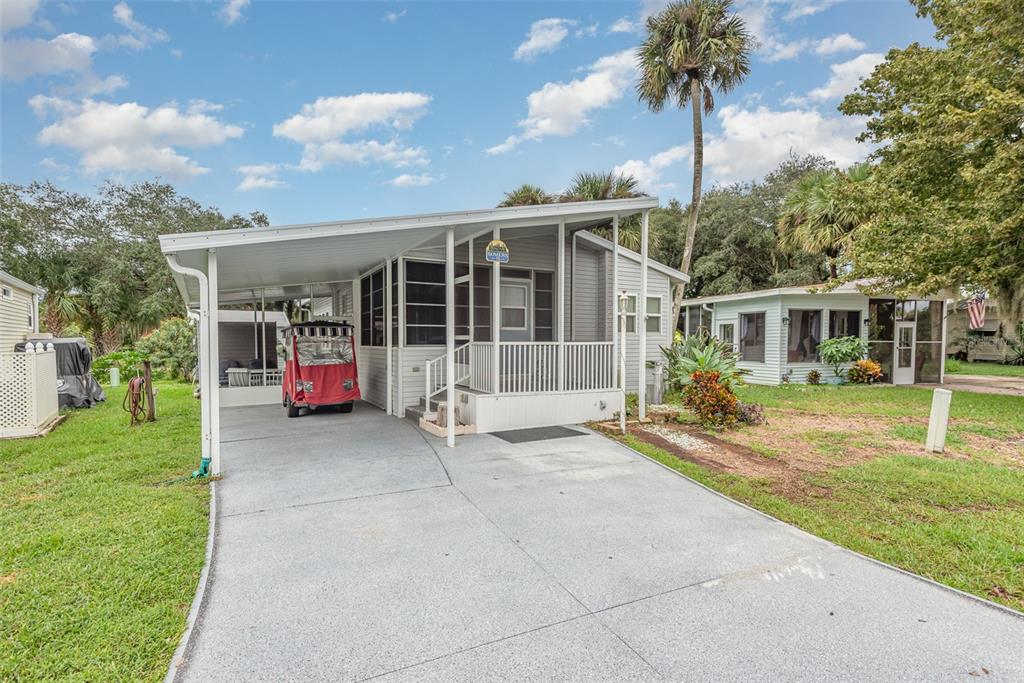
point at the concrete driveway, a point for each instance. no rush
(353, 547)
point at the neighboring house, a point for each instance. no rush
(990, 339)
(19, 311)
(428, 306)
(776, 332)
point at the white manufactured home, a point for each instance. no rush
(19, 311)
(776, 332)
(507, 315)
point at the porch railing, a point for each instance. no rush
(526, 367)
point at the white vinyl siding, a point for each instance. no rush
(14, 318)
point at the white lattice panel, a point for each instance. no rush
(28, 392)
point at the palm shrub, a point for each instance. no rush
(701, 352)
(838, 351)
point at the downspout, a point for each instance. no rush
(572, 290)
(204, 363)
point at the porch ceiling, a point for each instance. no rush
(294, 255)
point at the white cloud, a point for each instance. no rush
(410, 180)
(129, 136)
(560, 109)
(587, 31)
(139, 35)
(846, 76)
(17, 13)
(392, 17)
(624, 25)
(232, 11)
(260, 177)
(176, 53)
(68, 52)
(838, 43)
(545, 36)
(806, 8)
(648, 173)
(90, 84)
(754, 141)
(322, 126)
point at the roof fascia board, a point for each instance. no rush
(521, 216)
(21, 284)
(633, 256)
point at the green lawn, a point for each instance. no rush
(985, 368)
(99, 558)
(957, 520)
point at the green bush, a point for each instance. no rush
(814, 377)
(700, 352)
(841, 350)
(953, 365)
(127, 360)
(171, 348)
(865, 371)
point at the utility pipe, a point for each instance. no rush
(203, 322)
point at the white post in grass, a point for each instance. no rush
(641, 318)
(620, 305)
(496, 320)
(449, 336)
(214, 341)
(938, 421)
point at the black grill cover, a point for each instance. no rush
(76, 387)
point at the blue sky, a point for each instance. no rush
(328, 110)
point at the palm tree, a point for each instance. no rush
(692, 47)
(526, 195)
(600, 186)
(822, 212)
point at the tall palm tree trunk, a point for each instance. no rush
(698, 173)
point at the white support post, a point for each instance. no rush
(641, 318)
(263, 333)
(496, 320)
(214, 340)
(472, 286)
(615, 305)
(389, 361)
(560, 318)
(449, 337)
(399, 343)
(620, 303)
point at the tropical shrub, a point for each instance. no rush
(841, 350)
(750, 413)
(865, 371)
(710, 399)
(814, 377)
(171, 348)
(700, 352)
(126, 360)
(1016, 347)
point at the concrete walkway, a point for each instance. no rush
(983, 384)
(353, 547)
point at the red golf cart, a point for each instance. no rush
(320, 367)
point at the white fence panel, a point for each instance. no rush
(28, 392)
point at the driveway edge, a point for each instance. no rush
(199, 600)
(970, 596)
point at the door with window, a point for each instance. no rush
(903, 365)
(516, 321)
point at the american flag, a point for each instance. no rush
(976, 311)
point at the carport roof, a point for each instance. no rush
(291, 255)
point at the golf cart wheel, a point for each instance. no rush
(346, 407)
(293, 410)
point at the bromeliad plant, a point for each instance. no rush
(701, 352)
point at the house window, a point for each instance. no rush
(630, 313)
(6, 293)
(514, 301)
(31, 317)
(752, 337)
(482, 303)
(371, 289)
(804, 336)
(425, 310)
(692, 319)
(654, 314)
(843, 324)
(394, 302)
(727, 333)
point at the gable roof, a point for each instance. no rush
(20, 284)
(672, 273)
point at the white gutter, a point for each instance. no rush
(205, 390)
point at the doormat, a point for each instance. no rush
(536, 434)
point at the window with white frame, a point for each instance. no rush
(515, 298)
(6, 293)
(727, 333)
(803, 335)
(654, 314)
(629, 312)
(31, 316)
(752, 337)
